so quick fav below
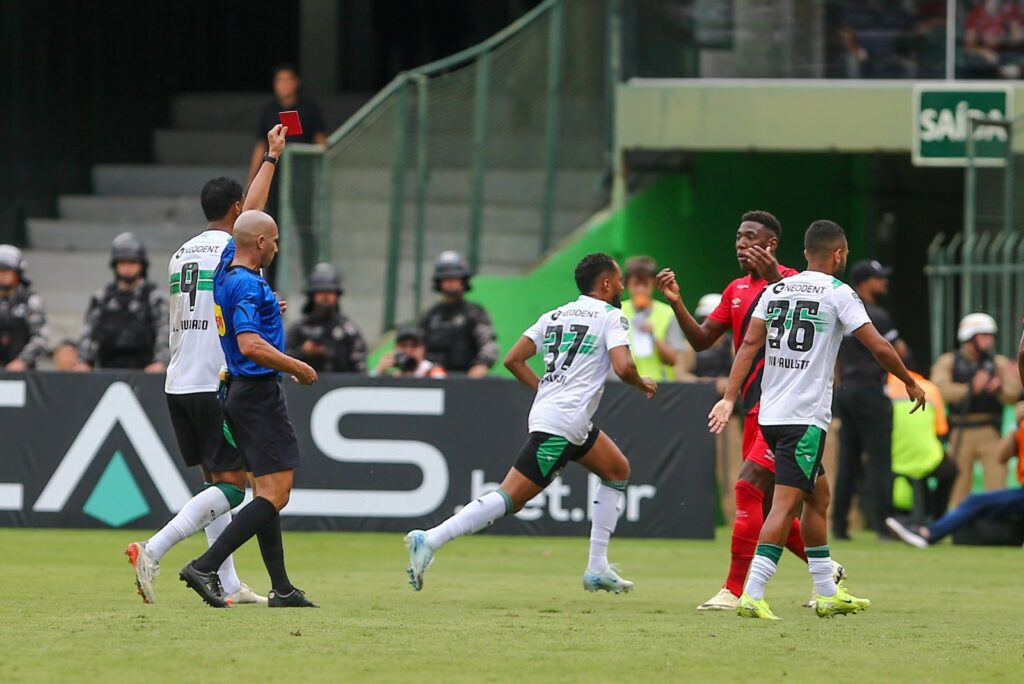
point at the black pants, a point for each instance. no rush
(867, 427)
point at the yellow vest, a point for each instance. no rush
(661, 317)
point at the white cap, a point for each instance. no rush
(707, 304)
(976, 324)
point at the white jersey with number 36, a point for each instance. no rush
(806, 315)
(574, 340)
(196, 355)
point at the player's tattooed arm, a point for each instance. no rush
(515, 362)
(625, 368)
(752, 343)
(887, 357)
(700, 335)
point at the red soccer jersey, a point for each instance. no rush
(738, 301)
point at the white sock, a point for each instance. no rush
(821, 570)
(474, 516)
(761, 570)
(607, 505)
(197, 513)
(228, 577)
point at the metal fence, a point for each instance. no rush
(982, 268)
(498, 152)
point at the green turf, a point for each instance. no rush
(500, 609)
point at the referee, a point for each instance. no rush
(252, 335)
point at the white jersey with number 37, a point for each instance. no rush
(574, 340)
(806, 316)
(196, 355)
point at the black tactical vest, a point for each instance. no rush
(963, 372)
(14, 329)
(126, 331)
(449, 337)
(714, 362)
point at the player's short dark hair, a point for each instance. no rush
(590, 268)
(285, 66)
(766, 219)
(218, 195)
(641, 267)
(823, 236)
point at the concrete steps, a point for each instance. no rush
(132, 209)
(237, 112)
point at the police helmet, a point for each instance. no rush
(976, 324)
(450, 264)
(12, 259)
(324, 278)
(127, 247)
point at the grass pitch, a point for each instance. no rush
(497, 609)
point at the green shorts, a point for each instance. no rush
(544, 455)
(798, 450)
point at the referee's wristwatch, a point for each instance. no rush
(268, 158)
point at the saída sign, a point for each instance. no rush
(942, 113)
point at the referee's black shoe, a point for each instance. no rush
(206, 584)
(296, 599)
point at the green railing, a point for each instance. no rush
(982, 268)
(498, 151)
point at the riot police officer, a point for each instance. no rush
(325, 338)
(22, 314)
(458, 334)
(126, 325)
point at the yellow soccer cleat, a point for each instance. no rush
(840, 604)
(748, 607)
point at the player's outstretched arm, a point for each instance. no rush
(625, 368)
(261, 352)
(259, 189)
(887, 357)
(515, 362)
(752, 343)
(699, 335)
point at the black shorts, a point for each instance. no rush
(798, 450)
(258, 416)
(545, 455)
(199, 427)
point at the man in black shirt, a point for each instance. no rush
(326, 338)
(865, 410)
(288, 97)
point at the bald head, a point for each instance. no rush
(256, 237)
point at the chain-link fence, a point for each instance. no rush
(982, 268)
(497, 152)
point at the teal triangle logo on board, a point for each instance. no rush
(117, 499)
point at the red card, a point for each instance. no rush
(291, 120)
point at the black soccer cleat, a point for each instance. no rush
(296, 599)
(206, 584)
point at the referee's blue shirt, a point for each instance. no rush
(244, 302)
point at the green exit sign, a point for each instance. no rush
(941, 115)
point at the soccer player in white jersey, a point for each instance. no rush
(803, 318)
(580, 341)
(193, 378)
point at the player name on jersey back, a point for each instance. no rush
(806, 316)
(574, 340)
(196, 355)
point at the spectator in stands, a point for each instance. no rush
(976, 384)
(65, 355)
(993, 37)
(458, 334)
(127, 323)
(994, 504)
(325, 338)
(712, 365)
(22, 314)
(287, 97)
(873, 34)
(654, 335)
(409, 358)
(918, 454)
(865, 411)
